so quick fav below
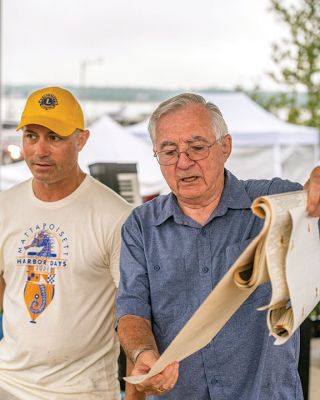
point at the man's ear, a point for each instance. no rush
(226, 146)
(82, 139)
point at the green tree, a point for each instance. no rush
(297, 58)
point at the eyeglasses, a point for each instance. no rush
(195, 152)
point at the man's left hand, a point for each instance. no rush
(159, 384)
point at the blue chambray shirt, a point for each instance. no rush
(169, 264)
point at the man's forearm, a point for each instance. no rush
(136, 336)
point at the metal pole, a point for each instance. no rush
(83, 79)
(1, 154)
(83, 70)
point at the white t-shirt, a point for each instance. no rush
(60, 264)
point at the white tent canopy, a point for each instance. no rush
(251, 124)
(263, 145)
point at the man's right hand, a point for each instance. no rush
(159, 384)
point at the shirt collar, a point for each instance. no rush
(234, 196)
(170, 209)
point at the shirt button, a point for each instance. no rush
(205, 270)
(203, 233)
(156, 267)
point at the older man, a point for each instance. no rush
(59, 251)
(176, 249)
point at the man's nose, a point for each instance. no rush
(42, 147)
(184, 162)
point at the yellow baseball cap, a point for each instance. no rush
(55, 108)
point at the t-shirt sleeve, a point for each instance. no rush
(115, 249)
(133, 294)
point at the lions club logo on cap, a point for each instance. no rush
(48, 101)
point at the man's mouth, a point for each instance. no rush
(42, 165)
(39, 163)
(189, 179)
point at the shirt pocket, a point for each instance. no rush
(168, 292)
(263, 291)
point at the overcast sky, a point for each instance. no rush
(163, 43)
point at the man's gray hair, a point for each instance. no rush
(183, 100)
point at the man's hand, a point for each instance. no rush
(313, 187)
(159, 384)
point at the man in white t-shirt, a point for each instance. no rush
(59, 252)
